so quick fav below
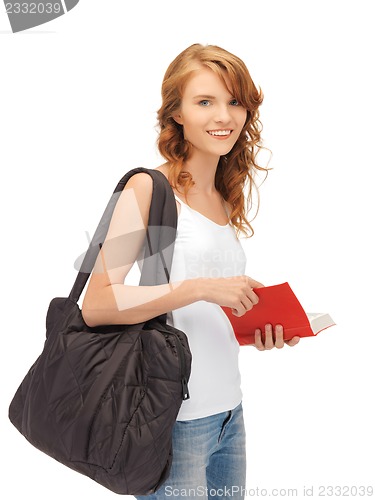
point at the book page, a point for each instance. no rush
(320, 321)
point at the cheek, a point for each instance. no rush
(192, 132)
(194, 123)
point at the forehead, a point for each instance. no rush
(206, 81)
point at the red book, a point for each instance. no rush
(277, 305)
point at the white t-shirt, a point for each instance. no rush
(206, 249)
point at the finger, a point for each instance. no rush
(279, 342)
(269, 343)
(249, 300)
(292, 342)
(253, 297)
(258, 340)
(242, 308)
(235, 312)
(255, 284)
(247, 303)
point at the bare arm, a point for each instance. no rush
(108, 300)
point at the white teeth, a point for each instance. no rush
(219, 132)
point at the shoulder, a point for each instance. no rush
(140, 181)
(141, 185)
(135, 198)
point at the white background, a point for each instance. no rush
(78, 109)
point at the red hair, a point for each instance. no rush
(236, 169)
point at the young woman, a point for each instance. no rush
(209, 135)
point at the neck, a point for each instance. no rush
(203, 170)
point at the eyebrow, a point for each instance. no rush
(204, 97)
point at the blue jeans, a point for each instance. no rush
(209, 458)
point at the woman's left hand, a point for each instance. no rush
(271, 339)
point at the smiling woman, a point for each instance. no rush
(209, 136)
(212, 78)
(212, 123)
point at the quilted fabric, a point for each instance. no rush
(104, 404)
(103, 401)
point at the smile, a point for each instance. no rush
(221, 133)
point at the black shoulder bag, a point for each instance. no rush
(103, 400)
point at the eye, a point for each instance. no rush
(204, 102)
(234, 102)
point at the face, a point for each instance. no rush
(211, 117)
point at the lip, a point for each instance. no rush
(220, 137)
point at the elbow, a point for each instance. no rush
(88, 315)
(99, 311)
(94, 315)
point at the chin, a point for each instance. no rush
(225, 151)
(219, 150)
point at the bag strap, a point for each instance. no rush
(160, 234)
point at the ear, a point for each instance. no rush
(177, 119)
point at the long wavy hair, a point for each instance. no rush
(236, 170)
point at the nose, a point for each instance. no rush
(222, 114)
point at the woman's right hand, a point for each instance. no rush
(236, 292)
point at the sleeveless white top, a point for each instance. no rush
(204, 248)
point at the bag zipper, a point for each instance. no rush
(181, 358)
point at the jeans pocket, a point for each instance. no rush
(223, 427)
